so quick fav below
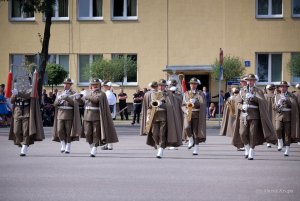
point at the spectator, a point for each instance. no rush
(212, 110)
(122, 104)
(221, 100)
(111, 98)
(137, 105)
(4, 112)
(207, 98)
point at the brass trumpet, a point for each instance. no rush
(190, 107)
(154, 106)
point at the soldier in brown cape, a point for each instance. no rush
(236, 138)
(269, 96)
(229, 115)
(146, 104)
(163, 129)
(177, 99)
(255, 124)
(26, 123)
(98, 126)
(286, 117)
(195, 128)
(297, 94)
(67, 123)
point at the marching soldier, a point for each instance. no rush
(269, 96)
(26, 126)
(160, 122)
(146, 104)
(255, 125)
(194, 108)
(67, 123)
(286, 118)
(98, 126)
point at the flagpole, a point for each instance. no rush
(220, 80)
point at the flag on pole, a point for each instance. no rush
(8, 87)
(221, 64)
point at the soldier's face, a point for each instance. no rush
(243, 83)
(161, 87)
(67, 86)
(283, 89)
(193, 86)
(251, 83)
(94, 86)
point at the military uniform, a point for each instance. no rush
(194, 128)
(21, 115)
(64, 116)
(269, 96)
(98, 126)
(285, 106)
(255, 124)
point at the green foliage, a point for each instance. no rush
(43, 6)
(294, 66)
(114, 70)
(56, 74)
(232, 67)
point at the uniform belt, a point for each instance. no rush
(161, 109)
(195, 110)
(252, 106)
(65, 107)
(286, 110)
(92, 108)
(137, 103)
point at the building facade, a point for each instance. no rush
(163, 36)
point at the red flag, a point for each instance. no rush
(8, 85)
(221, 57)
(35, 79)
(183, 85)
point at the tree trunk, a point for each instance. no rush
(44, 53)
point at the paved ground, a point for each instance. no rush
(131, 172)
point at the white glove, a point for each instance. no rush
(245, 107)
(193, 100)
(77, 96)
(15, 92)
(63, 96)
(249, 95)
(83, 93)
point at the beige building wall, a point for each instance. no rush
(167, 33)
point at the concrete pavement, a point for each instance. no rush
(131, 171)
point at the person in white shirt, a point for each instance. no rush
(112, 101)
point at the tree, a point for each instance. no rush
(56, 74)
(114, 70)
(232, 68)
(294, 66)
(45, 7)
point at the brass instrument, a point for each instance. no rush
(280, 103)
(231, 106)
(190, 106)
(154, 106)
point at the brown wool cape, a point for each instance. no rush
(76, 126)
(266, 131)
(201, 133)
(108, 132)
(36, 131)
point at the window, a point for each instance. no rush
(269, 9)
(17, 14)
(124, 9)
(295, 78)
(61, 10)
(84, 61)
(296, 8)
(90, 10)
(20, 62)
(269, 67)
(131, 76)
(62, 60)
